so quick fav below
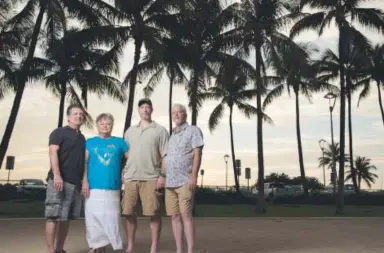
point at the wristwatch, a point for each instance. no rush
(162, 174)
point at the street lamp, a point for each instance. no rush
(226, 157)
(332, 100)
(321, 144)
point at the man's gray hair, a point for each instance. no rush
(105, 116)
(181, 107)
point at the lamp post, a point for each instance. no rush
(226, 157)
(332, 100)
(321, 144)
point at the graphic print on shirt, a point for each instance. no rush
(105, 154)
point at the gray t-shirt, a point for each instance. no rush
(71, 154)
(179, 159)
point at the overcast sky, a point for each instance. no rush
(38, 116)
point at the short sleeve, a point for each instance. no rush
(124, 146)
(197, 137)
(56, 137)
(163, 143)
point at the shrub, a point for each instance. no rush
(216, 197)
(329, 199)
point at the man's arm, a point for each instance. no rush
(55, 141)
(197, 146)
(163, 150)
(54, 159)
(197, 154)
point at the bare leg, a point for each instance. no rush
(177, 227)
(50, 232)
(189, 230)
(62, 232)
(155, 225)
(131, 226)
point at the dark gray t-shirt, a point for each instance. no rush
(71, 154)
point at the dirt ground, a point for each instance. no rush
(222, 236)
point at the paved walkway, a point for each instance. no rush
(223, 236)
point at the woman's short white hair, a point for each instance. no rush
(104, 116)
(180, 106)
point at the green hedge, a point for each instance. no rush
(372, 199)
(206, 196)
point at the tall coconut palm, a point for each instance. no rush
(12, 43)
(345, 13)
(331, 156)
(258, 27)
(145, 19)
(363, 168)
(356, 60)
(200, 24)
(169, 59)
(231, 88)
(75, 65)
(91, 13)
(296, 73)
(375, 73)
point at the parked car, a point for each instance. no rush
(273, 189)
(31, 186)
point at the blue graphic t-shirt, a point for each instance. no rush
(105, 162)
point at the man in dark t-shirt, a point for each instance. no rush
(63, 201)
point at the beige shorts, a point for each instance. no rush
(145, 191)
(179, 200)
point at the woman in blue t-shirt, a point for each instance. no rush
(105, 156)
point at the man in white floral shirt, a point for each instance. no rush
(182, 165)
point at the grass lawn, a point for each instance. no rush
(27, 209)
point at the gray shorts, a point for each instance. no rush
(63, 205)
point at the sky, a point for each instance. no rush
(38, 116)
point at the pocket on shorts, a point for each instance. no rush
(53, 202)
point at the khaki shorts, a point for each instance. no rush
(145, 191)
(179, 200)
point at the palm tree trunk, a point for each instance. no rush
(237, 186)
(299, 145)
(84, 96)
(380, 101)
(63, 93)
(132, 83)
(21, 81)
(349, 96)
(260, 154)
(340, 202)
(171, 79)
(193, 95)
(359, 176)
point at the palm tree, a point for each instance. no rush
(200, 23)
(354, 66)
(145, 19)
(363, 167)
(257, 26)
(74, 64)
(11, 43)
(231, 88)
(331, 156)
(344, 13)
(296, 73)
(169, 59)
(91, 13)
(374, 72)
